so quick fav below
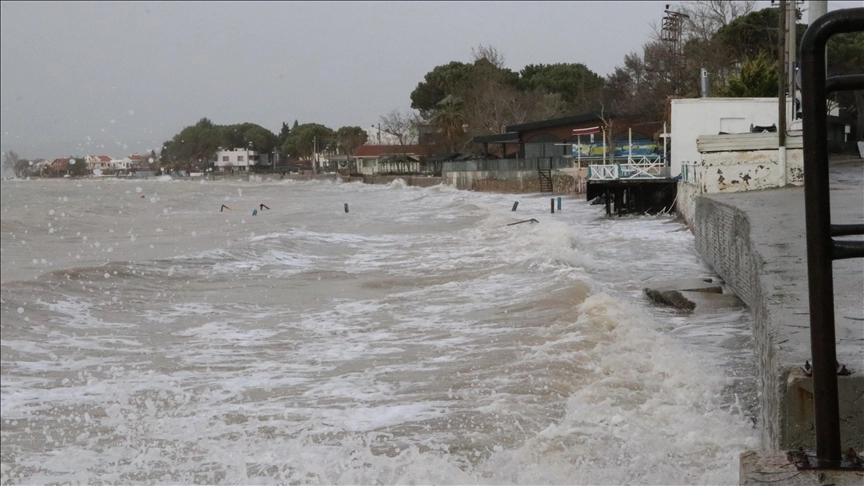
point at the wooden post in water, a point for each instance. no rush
(608, 204)
(552, 205)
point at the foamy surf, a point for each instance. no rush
(417, 339)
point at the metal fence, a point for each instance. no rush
(509, 164)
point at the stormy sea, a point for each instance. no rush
(239, 332)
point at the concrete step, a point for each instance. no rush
(683, 293)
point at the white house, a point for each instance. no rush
(101, 162)
(373, 159)
(694, 117)
(122, 164)
(238, 158)
(715, 150)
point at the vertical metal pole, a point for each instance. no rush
(604, 146)
(630, 146)
(666, 162)
(579, 153)
(608, 203)
(781, 95)
(781, 75)
(792, 53)
(820, 279)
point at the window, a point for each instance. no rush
(224, 158)
(239, 158)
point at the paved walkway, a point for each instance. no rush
(756, 241)
(777, 232)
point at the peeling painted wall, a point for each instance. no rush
(725, 172)
(748, 170)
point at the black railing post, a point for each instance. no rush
(818, 218)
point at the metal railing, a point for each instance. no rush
(603, 172)
(690, 173)
(822, 249)
(644, 167)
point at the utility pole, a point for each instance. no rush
(791, 53)
(314, 153)
(781, 95)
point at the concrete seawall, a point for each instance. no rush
(420, 181)
(756, 242)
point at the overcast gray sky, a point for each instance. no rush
(120, 77)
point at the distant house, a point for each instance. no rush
(101, 162)
(139, 162)
(238, 158)
(382, 159)
(60, 165)
(122, 165)
(333, 162)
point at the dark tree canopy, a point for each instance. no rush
(196, 144)
(575, 82)
(349, 138)
(304, 138)
(483, 97)
(756, 79)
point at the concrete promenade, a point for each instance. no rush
(756, 241)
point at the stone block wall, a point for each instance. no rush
(513, 182)
(780, 325)
(723, 239)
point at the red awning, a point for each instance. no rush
(586, 131)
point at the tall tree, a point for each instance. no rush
(305, 139)
(490, 96)
(450, 119)
(349, 138)
(77, 166)
(402, 125)
(446, 79)
(577, 85)
(756, 79)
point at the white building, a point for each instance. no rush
(121, 164)
(100, 162)
(715, 150)
(694, 117)
(238, 158)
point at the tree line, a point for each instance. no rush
(23, 167)
(194, 146)
(458, 100)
